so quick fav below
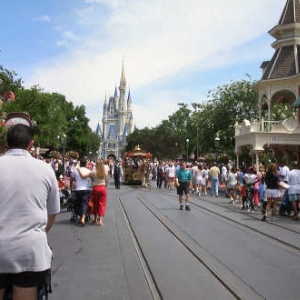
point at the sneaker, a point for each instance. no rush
(187, 207)
(264, 218)
(181, 207)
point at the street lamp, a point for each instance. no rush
(197, 151)
(62, 140)
(217, 144)
(187, 149)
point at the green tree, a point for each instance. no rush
(54, 116)
(227, 105)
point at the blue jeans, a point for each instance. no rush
(82, 197)
(215, 185)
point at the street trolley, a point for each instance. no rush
(136, 166)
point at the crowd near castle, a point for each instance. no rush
(273, 188)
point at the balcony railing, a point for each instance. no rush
(262, 126)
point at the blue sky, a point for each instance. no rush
(173, 50)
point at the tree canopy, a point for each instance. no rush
(55, 117)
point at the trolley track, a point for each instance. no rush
(232, 283)
(154, 290)
(249, 215)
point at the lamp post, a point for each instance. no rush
(187, 149)
(62, 140)
(217, 144)
(197, 151)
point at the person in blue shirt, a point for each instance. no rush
(183, 181)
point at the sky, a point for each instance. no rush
(174, 51)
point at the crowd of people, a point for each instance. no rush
(273, 187)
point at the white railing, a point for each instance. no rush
(263, 126)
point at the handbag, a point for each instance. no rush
(90, 207)
(237, 186)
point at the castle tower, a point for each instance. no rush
(117, 121)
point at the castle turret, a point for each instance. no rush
(122, 89)
(116, 99)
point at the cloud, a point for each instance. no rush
(44, 18)
(161, 40)
(67, 38)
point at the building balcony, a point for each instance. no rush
(261, 126)
(260, 133)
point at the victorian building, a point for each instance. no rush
(117, 121)
(279, 85)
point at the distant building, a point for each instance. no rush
(117, 121)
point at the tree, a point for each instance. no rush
(54, 116)
(167, 140)
(227, 105)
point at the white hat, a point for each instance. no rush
(61, 176)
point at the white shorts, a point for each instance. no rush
(272, 193)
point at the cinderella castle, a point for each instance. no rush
(117, 122)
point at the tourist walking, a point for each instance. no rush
(183, 181)
(273, 184)
(232, 184)
(29, 202)
(117, 173)
(171, 170)
(214, 173)
(81, 189)
(294, 189)
(159, 175)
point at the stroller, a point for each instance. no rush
(65, 196)
(73, 205)
(248, 201)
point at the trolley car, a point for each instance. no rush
(136, 167)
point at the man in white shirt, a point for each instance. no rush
(294, 189)
(29, 202)
(285, 205)
(284, 172)
(81, 188)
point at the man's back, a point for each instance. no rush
(28, 193)
(214, 171)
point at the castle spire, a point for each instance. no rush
(123, 78)
(116, 92)
(105, 103)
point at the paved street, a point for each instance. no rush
(148, 249)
